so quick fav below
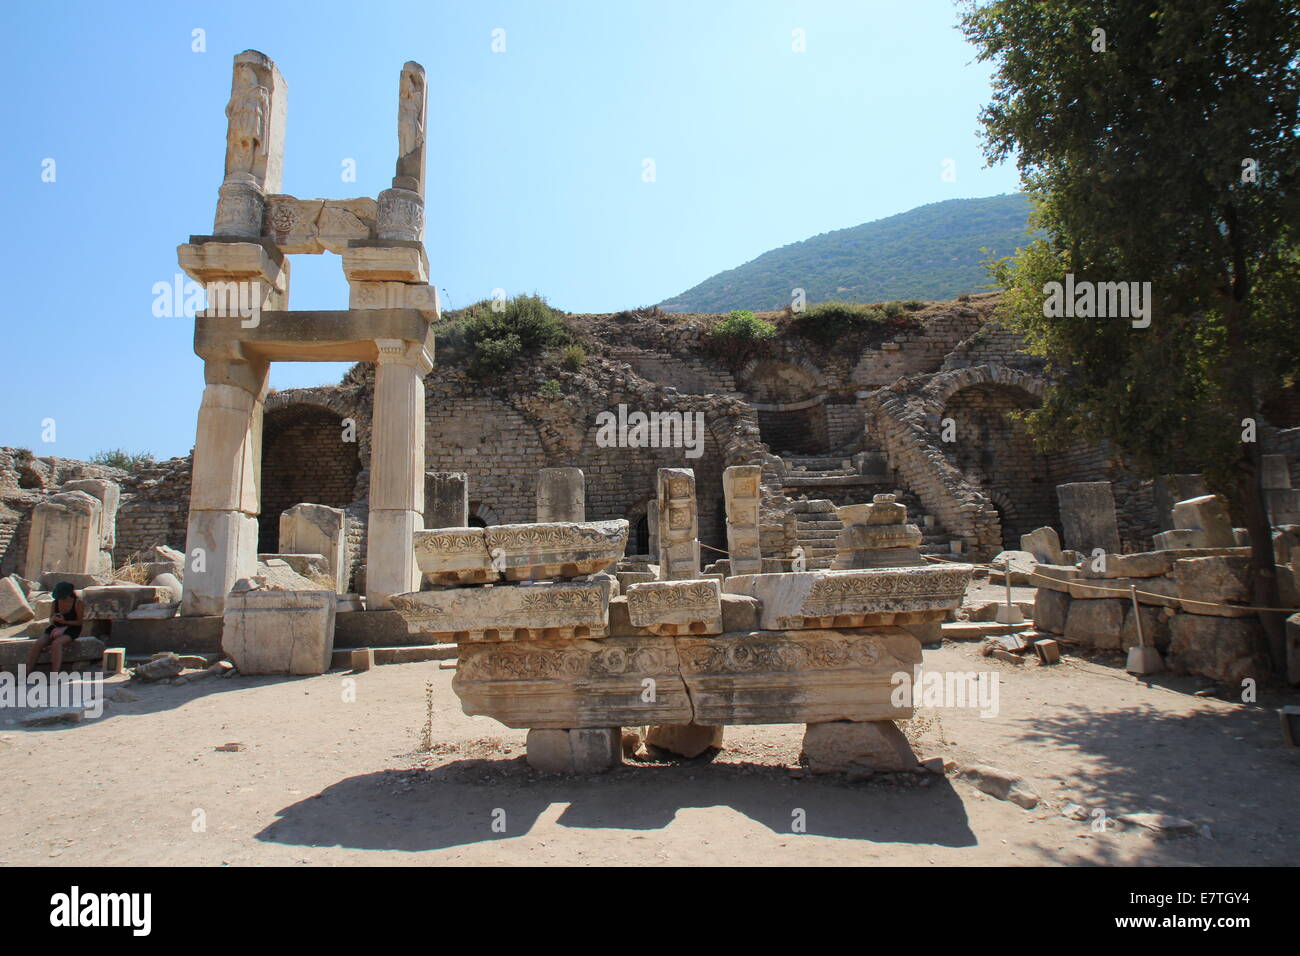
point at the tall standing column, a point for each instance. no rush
(679, 529)
(396, 470)
(221, 536)
(740, 486)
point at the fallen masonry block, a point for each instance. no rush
(509, 612)
(676, 607)
(279, 632)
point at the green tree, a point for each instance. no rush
(1164, 150)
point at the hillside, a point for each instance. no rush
(932, 252)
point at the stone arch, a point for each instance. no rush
(993, 450)
(305, 458)
(789, 396)
(483, 515)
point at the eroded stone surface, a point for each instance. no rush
(676, 607)
(509, 612)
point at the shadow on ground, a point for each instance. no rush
(457, 804)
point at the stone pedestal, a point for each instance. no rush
(318, 529)
(446, 499)
(575, 751)
(679, 532)
(741, 488)
(279, 632)
(1088, 516)
(561, 495)
(65, 536)
(685, 740)
(396, 470)
(876, 536)
(843, 746)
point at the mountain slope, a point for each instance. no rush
(931, 252)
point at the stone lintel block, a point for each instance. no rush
(246, 261)
(1104, 589)
(395, 295)
(676, 607)
(279, 632)
(573, 684)
(318, 225)
(584, 750)
(805, 676)
(115, 601)
(347, 335)
(789, 599)
(386, 261)
(562, 548)
(509, 612)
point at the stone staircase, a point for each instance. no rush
(809, 475)
(934, 539)
(815, 529)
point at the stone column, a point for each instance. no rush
(225, 492)
(679, 529)
(396, 470)
(1088, 516)
(740, 487)
(561, 495)
(446, 499)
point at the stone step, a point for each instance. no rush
(827, 525)
(813, 506)
(407, 654)
(804, 536)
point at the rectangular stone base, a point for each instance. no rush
(279, 632)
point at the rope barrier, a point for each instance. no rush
(718, 550)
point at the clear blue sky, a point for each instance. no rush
(534, 164)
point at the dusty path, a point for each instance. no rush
(324, 781)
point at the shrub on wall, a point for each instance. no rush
(739, 335)
(850, 324)
(495, 340)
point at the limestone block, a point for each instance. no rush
(686, 740)
(172, 583)
(566, 549)
(222, 548)
(13, 653)
(1050, 609)
(1088, 516)
(1221, 648)
(1155, 628)
(396, 295)
(1096, 623)
(1054, 577)
(307, 566)
(791, 677)
(446, 499)
(589, 750)
(678, 524)
(1283, 505)
(844, 746)
(318, 529)
(109, 495)
(1145, 564)
(875, 536)
(739, 612)
(50, 580)
(816, 599)
(1274, 472)
(115, 601)
(1178, 539)
(1044, 544)
(386, 262)
(573, 684)
(1159, 591)
(1167, 490)
(561, 495)
(1209, 514)
(509, 612)
(65, 535)
(279, 632)
(628, 578)
(14, 606)
(1286, 542)
(452, 556)
(676, 607)
(741, 488)
(319, 225)
(227, 451)
(208, 262)
(390, 556)
(154, 612)
(1216, 579)
(1023, 564)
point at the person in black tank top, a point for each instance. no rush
(66, 620)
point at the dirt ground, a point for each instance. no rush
(325, 781)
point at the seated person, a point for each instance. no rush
(65, 627)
